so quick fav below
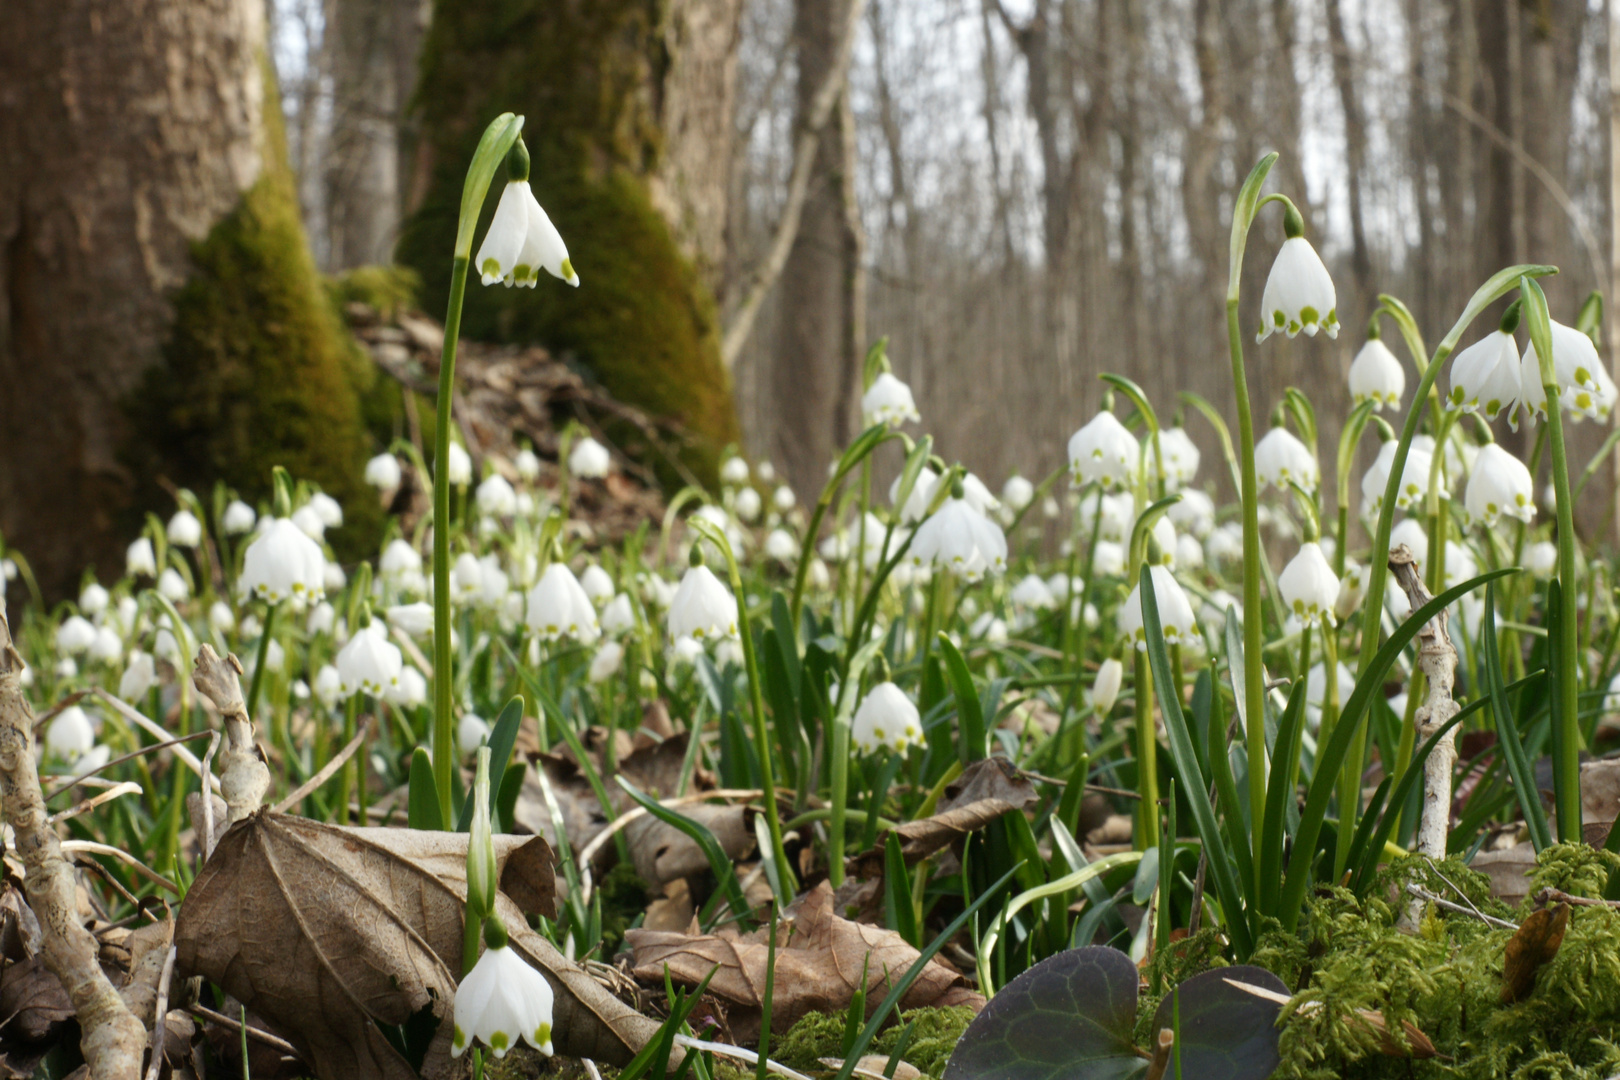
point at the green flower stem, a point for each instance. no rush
(259, 664)
(443, 675)
(1147, 757)
(351, 710)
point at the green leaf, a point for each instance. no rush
(898, 904)
(422, 810)
(1243, 211)
(502, 737)
(1222, 1031)
(497, 139)
(1507, 732)
(969, 713)
(725, 873)
(1069, 1017)
(1280, 794)
(877, 362)
(1138, 398)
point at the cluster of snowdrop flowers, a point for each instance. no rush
(1495, 377)
(886, 719)
(1280, 459)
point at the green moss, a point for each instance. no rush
(624, 896)
(388, 289)
(815, 1036)
(934, 1034)
(642, 322)
(258, 370)
(1578, 869)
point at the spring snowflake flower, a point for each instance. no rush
(414, 619)
(75, 635)
(221, 617)
(781, 546)
(1194, 514)
(619, 616)
(140, 672)
(886, 718)
(1485, 376)
(185, 530)
(369, 663)
(1280, 457)
(1584, 386)
(496, 497)
(1541, 559)
(1105, 688)
(1017, 492)
(460, 466)
(521, 241)
(108, 646)
(606, 663)
(502, 1000)
(471, 731)
(140, 559)
(1414, 478)
(328, 685)
(71, 735)
(1175, 611)
(383, 472)
(309, 521)
(1032, 593)
(1500, 484)
(748, 504)
(1115, 515)
(702, 609)
(784, 499)
(589, 458)
(1103, 451)
(1299, 291)
(93, 600)
(1181, 457)
(961, 539)
(527, 464)
(284, 564)
(411, 691)
(559, 607)
(1308, 586)
(328, 509)
(399, 558)
(1377, 376)
(239, 518)
(598, 584)
(888, 401)
(922, 493)
(734, 472)
(173, 586)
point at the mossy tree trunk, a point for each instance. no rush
(629, 120)
(160, 316)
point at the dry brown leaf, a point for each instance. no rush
(819, 961)
(328, 931)
(19, 929)
(985, 791)
(671, 912)
(1535, 943)
(1509, 871)
(871, 1067)
(1417, 1043)
(32, 1002)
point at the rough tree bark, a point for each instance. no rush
(159, 312)
(629, 106)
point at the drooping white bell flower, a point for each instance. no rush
(369, 663)
(322, 618)
(71, 735)
(1175, 611)
(1032, 593)
(887, 718)
(521, 240)
(108, 646)
(1486, 376)
(496, 497)
(239, 518)
(1108, 559)
(1017, 492)
(781, 546)
(619, 616)
(1189, 552)
(1584, 386)
(140, 559)
(1280, 457)
(399, 558)
(185, 530)
(1181, 456)
(1105, 688)
(1162, 535)
(471, 731)
(1224, 544)
(502, 1000)
(284, 564)
(1308, 586)
(597, 583)
(173, 586)
(734, 471)
(960, 539)
(527, 464)
(1194, 514)
(328, 509)
(1299, 291)
(140, 672)
(1409, 531)
(685, 651)
(383, 472)
(466, 578)
(1541, 559)
(784, 499)
(221, 617)
(589, 458)
(922, 493)
(978, 496)
(1500, 484)
(559, 607)
(414, 619)
(1377, 376)
(459, 466)
(1104, 451)
(748, 504)
(1414, 479)
(328, 685)
(702, 609)
(1114, 516)
(493, 582)
(93, 600)
(888, 401)
(1352, 589)
(411, 691)
(75, 635)
(606, 663)
(309, 522)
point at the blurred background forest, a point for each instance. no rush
(1020, 193)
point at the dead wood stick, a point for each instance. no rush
(327, 771)
(1437, 660)
(256, 1034)
(160, 1022)
(244, 777)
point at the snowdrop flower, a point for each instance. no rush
(1114, 515)
(1181, 456)
(471, 731)
(399, 558)
(521, 240)
(496, 497)
(1189, 552)
(383, 472)
(1105, 688)
(748, 504)
(1017, 492)
(685, 651)
(1414, 478)
(1279, 457)
(322, 618)
(93, 600)
(502, 1000)
(734, 472)
(656, 591)
(328, 509)
(886, 718)
(1175, 611)
(185, 530)
(702, 607)
(1541, 559)
(781, 546)
(978, 496)
(618, 617)
(309, 522)
(1409, 531)
(493, 582)
(221, 617)
(820, 577)
(1376, 376)
(466, 578)
(108, 646)
(284, 564)
(66, 668)
(922, 493)
(1194, 514)
(239, 518)
(1500, 484)
(328, 685)
(991, 629)
(1225, 544)
(369, 663)
(1352, 589)
(1485, 376)
(888, 401)
(71, 735)
(559, 607)
(460, 466)
(140, 559)
(606, 663)
(1032, 593)
(1584, 386)
(173, 586)
(414, 619)
(1103, 451)
(139, 675)
(75, 635)
(1299, 292)
(1162, 535)
(1308, 586)
(960, 539)
(411, 691)
(784, 499)
(598, 584)
(589, 458)
(1108, 560)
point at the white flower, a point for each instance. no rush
(606, 663)
(527, 464)
(559, 607)
(1376, 376)
(1414, 478)
(185, 530)
(1108, 560)
(1105, 689)
(369, 663)
(411, 691)
(383, 472)
(1017, 492)
(1115, 515)
(75, 635)
(309, 522)
(1541, 559)
(886, 718)
(1500, 484)
(1279, 457)
(415, 619)
(1194, 514)
(685, 651)
(1485, 376)
(1163, 536)
(1175, 611)
(239, 518)
(399, 558)
(500, 1001)
(471, 731)
(598, 584)
(322, 618)
(521, 240)
(702, 607)
(93, 600)
(589, 458)
(173, 586)
(734, 471)
(961, 539)
(781, 546)
(1225, 544)
(466, 578)
(328, 509)
(328, 685)
(496, 497)
(619, 616)
(1584, 386)
(139, 675)
(108, 646)
(978, 496)
(1189, 552)
(459, 466)
(1308, 585)
(922, 492)
(888, 401)
(1409, 531)
(1033, 593)
(140, 559)
(1299, 293)
(1103, 451)
(990, 628)
(493, 582)
(1352, 589)
(783, 499)
(1181, 456)
(747, 504)
(284, 564)
(221, 617)
(71, 735)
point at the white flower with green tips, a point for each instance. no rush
(501, 1001)
(521, 241)
(1299, 291)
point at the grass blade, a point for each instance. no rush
(1507, 732)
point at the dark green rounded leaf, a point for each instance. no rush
(1225, 1032)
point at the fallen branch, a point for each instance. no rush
(1437, 660)
(243, 775)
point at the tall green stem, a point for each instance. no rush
(1147, 757)
(1254, 679)
(263, 655)
(444, 750)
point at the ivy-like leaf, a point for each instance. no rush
(1225, 1033)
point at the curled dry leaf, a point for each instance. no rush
(1535, 943)
(985, 791)
(820, 958)
(328, 932)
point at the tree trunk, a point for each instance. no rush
(1355, 144)
(629, 106)
(159, 312)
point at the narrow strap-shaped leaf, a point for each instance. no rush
(502, 737)
(1280, 793)
(1507, 732)
(423, 807)
(1237, 832)
(1403, 789)
(969, 712)
(725, 874)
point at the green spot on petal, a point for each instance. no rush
(568, 270)
(1308, 315)
(1279, 319)
(461, 1038)
(499, 1042)
(491, 267)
